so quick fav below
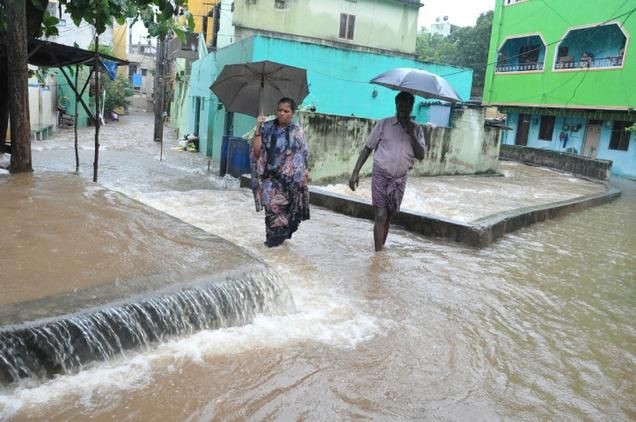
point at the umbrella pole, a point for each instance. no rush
(260, 99)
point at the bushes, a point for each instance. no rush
(117, 93)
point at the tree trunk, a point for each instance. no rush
(4, 105)
(18, 86)
(159, 91)
(35, 12)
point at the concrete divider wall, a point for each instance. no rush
(573, 163)
(467, 147)
(479, 233)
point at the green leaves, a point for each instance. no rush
(466, 47)
(157, 15)
(49, 25)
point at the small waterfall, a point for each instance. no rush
(44, 348)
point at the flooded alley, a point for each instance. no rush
(538, 325)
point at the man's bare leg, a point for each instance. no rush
(380, 228)
(386, 227)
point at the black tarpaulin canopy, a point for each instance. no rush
(50, 54)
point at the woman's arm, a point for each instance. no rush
(257, 139)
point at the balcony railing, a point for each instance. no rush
(526, 67)
(590, 63)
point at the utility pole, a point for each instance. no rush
(159, 90)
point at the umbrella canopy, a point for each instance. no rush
(250, 88)
(417, 82)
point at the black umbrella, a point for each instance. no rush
(250, 88)
(417, 82)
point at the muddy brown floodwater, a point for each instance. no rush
(537, 326)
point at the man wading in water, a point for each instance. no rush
(395, 142)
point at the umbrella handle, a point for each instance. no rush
(260, 99)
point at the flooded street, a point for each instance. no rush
(537, 326)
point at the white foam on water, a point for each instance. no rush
(323, 317)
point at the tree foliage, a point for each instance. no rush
(117, 93)
(157, 15)
(466, 47)
(117, 90)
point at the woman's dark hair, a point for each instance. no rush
(290, 102)
(406, 96)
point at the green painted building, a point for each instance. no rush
(564, 72)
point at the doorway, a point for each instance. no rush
(592, 138)
(522, 130)
(197, 115)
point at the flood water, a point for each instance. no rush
(537, 326)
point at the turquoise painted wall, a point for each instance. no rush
(338, 83)
(179, 119)
(64, 90)
(623, 162)
(338, 78)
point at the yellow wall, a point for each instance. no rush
(199, 9)
(120, 46)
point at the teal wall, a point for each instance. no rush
(623, 162)
(338, 83)
(63, 89)
(338, 78)
(178, 117)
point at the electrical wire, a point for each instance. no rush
(629, 14)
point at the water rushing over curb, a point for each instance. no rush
(44, 348)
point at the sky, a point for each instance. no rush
(459, 12)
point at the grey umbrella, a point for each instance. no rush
(250, 88)
(417, 82)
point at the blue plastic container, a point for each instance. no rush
(238, 157)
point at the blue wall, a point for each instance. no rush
(338, 83)
(338, 78)
(623, 162)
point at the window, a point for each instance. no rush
(347, 25)
(547, 128)
(596, 47)
(529, 54)
(144, 72)
(620, 137)
(280, 4)
(521, 54)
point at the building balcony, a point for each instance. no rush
(526, 67)
(521, 54)
(595, 47)
(589, 63)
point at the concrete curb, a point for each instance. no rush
(479, 233)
